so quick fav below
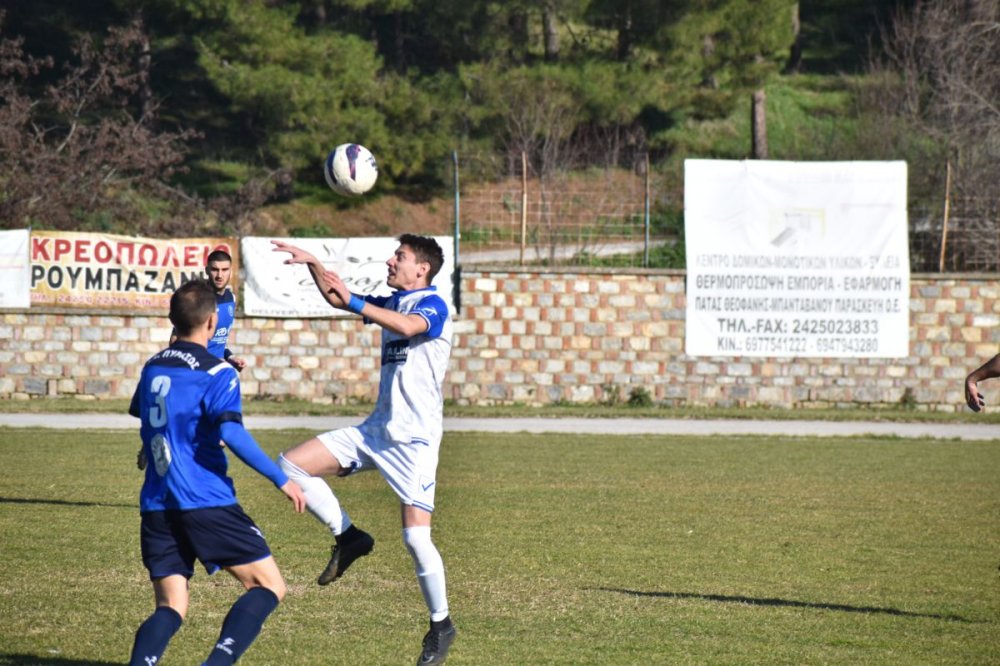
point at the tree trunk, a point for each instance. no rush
(551, 31)
(145, 63)
(795, 53)
(518, 24)
(707, 51)
(624, 31)
(399, 41)
(758, 125)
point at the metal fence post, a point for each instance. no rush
(524, 203)
(646, 222)
(457, 281)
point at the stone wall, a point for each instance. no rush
(534, 338)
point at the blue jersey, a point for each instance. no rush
(226, 307)
(184, 396)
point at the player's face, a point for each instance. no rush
(219, 273)
(405, 272)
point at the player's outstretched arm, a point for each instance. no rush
(988, 370)
(246, 449)
(404, 324)
(328, 282)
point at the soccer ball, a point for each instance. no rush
(350, 169)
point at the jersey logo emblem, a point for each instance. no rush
(395, 351)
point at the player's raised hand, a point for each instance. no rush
(299, 256)
(973, 397)
(332, 284)
(294, 493)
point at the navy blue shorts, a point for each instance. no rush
(219, 537)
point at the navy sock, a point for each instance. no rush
(242, 625)
(153, 635)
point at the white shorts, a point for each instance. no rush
(409, 467)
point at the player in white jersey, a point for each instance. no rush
(402, 436)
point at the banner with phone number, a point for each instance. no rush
(106, 271)
(796, 259)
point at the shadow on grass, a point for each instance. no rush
(34, 660)
(753, 601)
(22, 500)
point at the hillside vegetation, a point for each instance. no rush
(213, 116)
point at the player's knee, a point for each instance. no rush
(425, 554)
(290, 469)
(277, 588)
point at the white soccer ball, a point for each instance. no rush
(350, 169)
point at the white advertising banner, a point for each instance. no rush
(273, 288)
(796, 259)
(15, 269)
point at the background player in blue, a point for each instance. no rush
(219, 269)
(187, 400)
(402, 436)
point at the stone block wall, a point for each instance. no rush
(531, 337)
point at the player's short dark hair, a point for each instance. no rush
(191, 306)
(218, 255)
(425, 249)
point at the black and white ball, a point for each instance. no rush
(350, 169)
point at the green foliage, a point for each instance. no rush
(639, 396)
(542, 109)
(301, 93)
(275, 85)
(719, 50)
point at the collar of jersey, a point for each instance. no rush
(184, 344)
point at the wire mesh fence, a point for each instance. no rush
(618, 216)
(966, 240)
(581, 217)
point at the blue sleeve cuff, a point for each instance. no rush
(356, 304)
(241, 443)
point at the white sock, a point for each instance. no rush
(430, 569)
(320, 499)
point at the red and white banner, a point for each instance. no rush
(105, 271)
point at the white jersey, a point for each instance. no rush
(410, 405)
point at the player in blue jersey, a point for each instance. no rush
(187, 400)
(402, 436)
(219, 269)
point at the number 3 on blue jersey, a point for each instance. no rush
(159, 446)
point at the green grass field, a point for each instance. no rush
(559, 550)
